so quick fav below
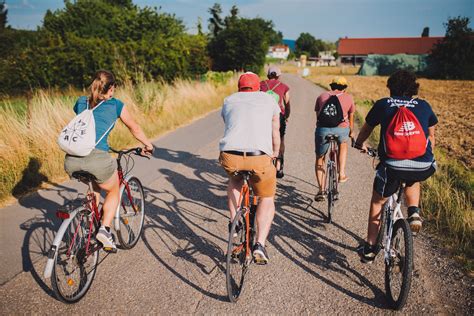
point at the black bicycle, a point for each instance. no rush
(332, 174)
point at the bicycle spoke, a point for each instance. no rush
(132, 212)
(237, 261)
(398, 269)
(74, 268)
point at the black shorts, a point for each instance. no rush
(387, 180)
(282, 125)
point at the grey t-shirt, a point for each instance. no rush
(248, 122)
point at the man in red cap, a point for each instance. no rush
(251, 142)
(281, 92)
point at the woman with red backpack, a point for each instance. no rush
(407, 127)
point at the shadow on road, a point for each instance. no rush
(298, 234)
(180, 226)
(40, 229)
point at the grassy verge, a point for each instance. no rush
(29, 155)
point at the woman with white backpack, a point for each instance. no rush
(100, 110)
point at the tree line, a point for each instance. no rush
(135, 43)
(145, 43)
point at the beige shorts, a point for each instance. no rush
(98, 163)
(263, 182)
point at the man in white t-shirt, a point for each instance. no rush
(251, 142)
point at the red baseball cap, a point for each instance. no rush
(249, 80)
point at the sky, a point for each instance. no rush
(324, 19)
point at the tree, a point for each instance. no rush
(240, 43)
(75, 41)
(426, 32)
(199, 26)
(241, 46)
(306, 44)
(453, 57)
(215, 21)
(3, 15)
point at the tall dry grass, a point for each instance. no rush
(447, 196)
(29, 154)
(292, 68)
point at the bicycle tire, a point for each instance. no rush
(330, 190)
(131, 219)
(64, 286)
(401, 264)
(383, 223)
(253, 224)
(236, 261)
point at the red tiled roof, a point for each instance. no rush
(386, 46)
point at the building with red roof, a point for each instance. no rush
(355, 50)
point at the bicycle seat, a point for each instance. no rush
(244, 173)
(84, 176)
(332, 137)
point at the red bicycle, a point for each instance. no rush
(74, 254)
(242, 237)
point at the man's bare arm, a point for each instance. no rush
(276, 135)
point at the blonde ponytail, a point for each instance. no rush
(103, 81)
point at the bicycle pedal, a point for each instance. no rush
(110, 249)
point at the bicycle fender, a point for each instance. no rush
(117, 212)
(57, 240)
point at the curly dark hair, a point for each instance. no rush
(403, 83)
(335, 86)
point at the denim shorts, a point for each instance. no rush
(321, 144)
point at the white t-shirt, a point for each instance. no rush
(248, 122)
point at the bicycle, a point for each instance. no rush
(332, 174)
(242, 237)
(396, 240)
(74, 253)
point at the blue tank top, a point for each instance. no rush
(105, 115)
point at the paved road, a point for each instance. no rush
(178, 267)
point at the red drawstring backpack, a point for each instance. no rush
(405, 138)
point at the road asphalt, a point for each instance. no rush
(179, 265)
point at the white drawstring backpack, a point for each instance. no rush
(78, 137)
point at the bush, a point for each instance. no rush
(134, 43)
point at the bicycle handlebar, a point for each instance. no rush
(137, 151)
(372, 152)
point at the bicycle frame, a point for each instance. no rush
(332, 160)
(90, 204)
(394, 213)
(245, 199)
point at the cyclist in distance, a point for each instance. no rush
(390, 171)
(282, 91)
(99, 163)
(251, 142)
(343, 128)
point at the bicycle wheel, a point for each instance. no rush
(398, 269)
(131, 213)
(383, 223)
(236, 263)
(74, 269)
(330, 190)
